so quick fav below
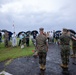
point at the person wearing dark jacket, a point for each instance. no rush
(27, 39)
(0, 37)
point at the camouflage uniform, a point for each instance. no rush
(6, 39)
(65, 49)
(42, 49)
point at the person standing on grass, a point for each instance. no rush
(23, 41)
(34, 35)
(42, 48)
(27, 40)
(14, 40)
(0, 36)
(6, 38)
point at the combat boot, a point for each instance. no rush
(64, 66)
(73, 56)
(43, 67)
(65, 71)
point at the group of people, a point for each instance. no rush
(41, 45)
(64, 42)
(48, 34)
(23, 39)
(7, 38)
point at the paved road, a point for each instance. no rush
(30, 66)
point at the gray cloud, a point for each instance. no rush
(29, 20)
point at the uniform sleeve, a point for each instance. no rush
(74, 38)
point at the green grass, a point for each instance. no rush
(12, 53)
(1, 74)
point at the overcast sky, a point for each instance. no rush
(33, 14)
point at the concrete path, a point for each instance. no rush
(30, 66)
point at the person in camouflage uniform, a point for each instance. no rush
(6, 38)
(42, 48)
(65, 49)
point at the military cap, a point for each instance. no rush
(64, 29)
(41, 29)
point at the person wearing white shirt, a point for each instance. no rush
(14, 40)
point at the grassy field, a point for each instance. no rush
(11, 53)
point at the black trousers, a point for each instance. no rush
(19, 42)
(27, 41)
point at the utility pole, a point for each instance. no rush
(13, 27)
